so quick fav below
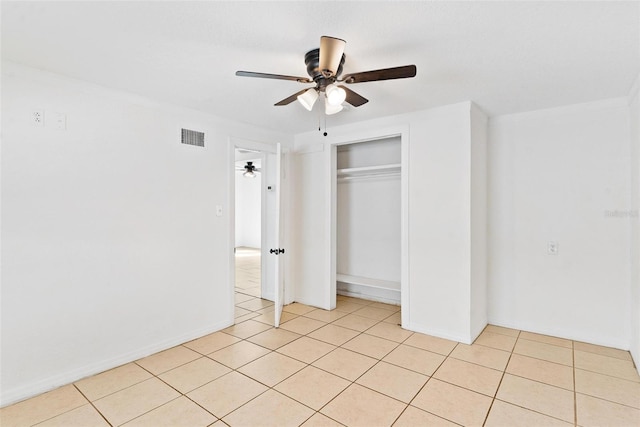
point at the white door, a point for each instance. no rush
(272, 255)
(277, 251)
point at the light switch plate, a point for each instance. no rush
(60, 121)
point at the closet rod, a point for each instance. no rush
(369, 176)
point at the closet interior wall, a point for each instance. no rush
(368, 213)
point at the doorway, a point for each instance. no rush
(248, 226)
(256, 282)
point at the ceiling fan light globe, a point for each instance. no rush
(331, 109)
(335, 94)
(249, 174)
(308, 98)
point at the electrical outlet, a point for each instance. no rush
(552, 248)
(37, 118)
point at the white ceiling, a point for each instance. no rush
(506, 56)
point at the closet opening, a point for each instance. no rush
(368, 209)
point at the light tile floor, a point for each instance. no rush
(353, 366)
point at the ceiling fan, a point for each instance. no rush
(250, 170)
(324, 66)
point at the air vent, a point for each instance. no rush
(192, 137)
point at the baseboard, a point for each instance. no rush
(17, 394)
(562, 333)
(372, 293)
(635, 356)
(475, 332)
(437, 333)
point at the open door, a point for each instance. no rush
(272, 231)
(277, 251)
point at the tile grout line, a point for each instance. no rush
(117, 391)
(185, 394)
(430, 378)
(352, 382)
(92, 405)
(607, 400)
(575, 397)
(178, 391)
(504, 372)
(533, 410)
(273, 389)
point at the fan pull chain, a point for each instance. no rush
(320, 122)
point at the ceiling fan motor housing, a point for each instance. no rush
(312, 59)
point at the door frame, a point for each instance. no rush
(331, 212)
(262, 148)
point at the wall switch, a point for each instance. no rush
(60, 121)
(552, 248)
(37, 118)
(219, 210)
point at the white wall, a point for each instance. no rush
(248, 209)
(439, 180)
(368, 235)
(479, 220)
(634, 116)
(107, 227)
(554, 174)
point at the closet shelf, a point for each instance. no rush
(367, 281)
(391, 169)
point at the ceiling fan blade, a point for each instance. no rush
(273, 76)
(331, 50)
(384, 74)
(291, 98)
(353, 98)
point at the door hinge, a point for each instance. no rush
(276, 251)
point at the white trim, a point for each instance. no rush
(405, 287)
(330, 222)
(47, 384)
(385, 296)
(561, 333)
(436, 333)
(635, 89)
(368, 292)
(369, 171)
(366, 281)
